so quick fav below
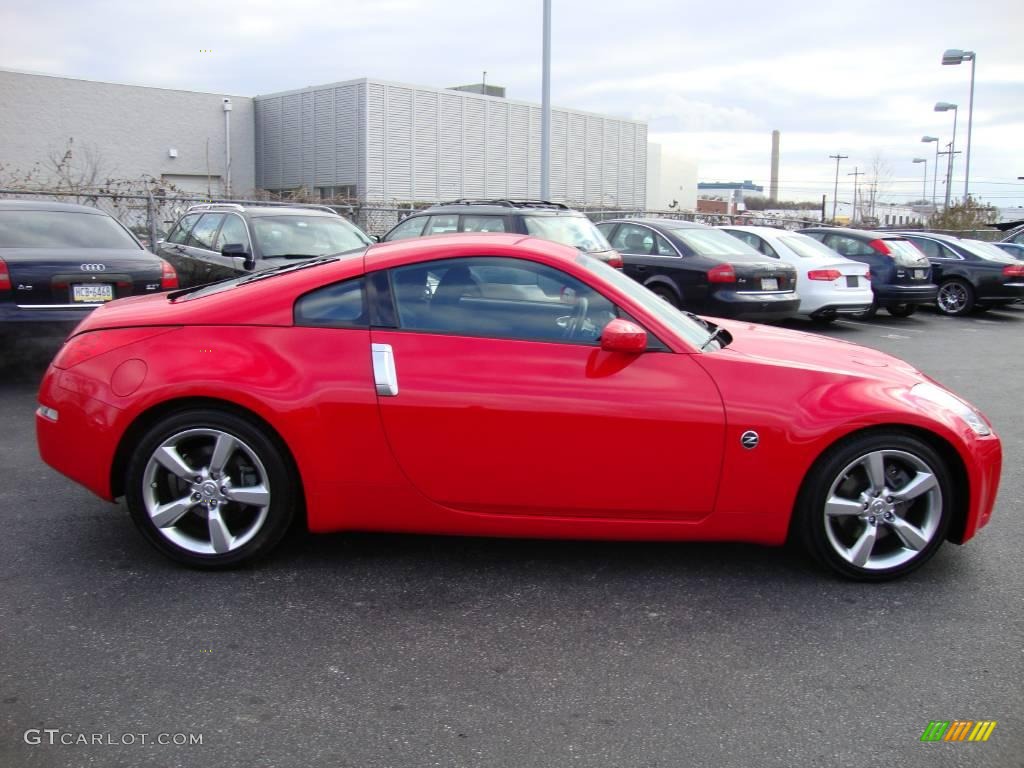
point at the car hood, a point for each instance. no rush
(809, 351)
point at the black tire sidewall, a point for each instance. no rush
(666, 294)
(280, 476)
(901, 310)
(810, 520)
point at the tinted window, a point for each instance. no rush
(747, 237)
(483, 224)
(180, 233)
(634, 239)
(847, 246)
(411, 227)
(932, 249)
(577, 231)
(342, 305)
(441, 225)
(62, 229)
(233, 232)
(203, 233)
(499, 298)
(301, 236)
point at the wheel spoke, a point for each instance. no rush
(220, 537)
(837, 506)
(254, 495)
(169, 458)
(861, 549)
(909, 534)
(222, 451)
(921, 484)
(166, 515)
(874, 465)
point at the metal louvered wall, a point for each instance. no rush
(400, 142)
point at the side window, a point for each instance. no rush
(500, 298)
(180, 233)
(634, 239)
(605, 228)
(233, 231)
(203, 233)
(483, 224)
(411, 227)
(819, 236)
(931, 249)
(1018, 239)
(341, 305)
(750, 239)
(665, 247)
(442, 225)
(847, 246)
(765, 247)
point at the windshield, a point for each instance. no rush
(62, 229)
(807, 247)
(715, 244)
(299, 236)
(577, 231)
(987, 251)
(685, 326)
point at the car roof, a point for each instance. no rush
(663, 223)
(499, 208)
(933, 235)
(870, 234)
(48, 205)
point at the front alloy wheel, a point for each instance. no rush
(209, 489)
(876, 507)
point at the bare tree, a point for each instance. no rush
(878, 181)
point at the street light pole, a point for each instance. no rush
(545, 109)
(935, 168)
(856, 172)
(955, 56)
(944, 106)
(924, 181)
(835, 193)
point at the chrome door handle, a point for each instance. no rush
(384, 374)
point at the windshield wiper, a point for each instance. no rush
(722, 336)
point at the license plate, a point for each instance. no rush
(919, 274)
(769, 284)
(852, 281)
(92, 294)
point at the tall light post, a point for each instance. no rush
(835, 193)
(945, 106)
(924, 181)
(955, 56)
(935, 168)
(545, 109)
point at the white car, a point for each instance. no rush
(829, 285)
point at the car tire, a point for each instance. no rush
(907, 488)
(868, 313)
(665, 294)
(956, 297)
(210, 488)
(901, 310)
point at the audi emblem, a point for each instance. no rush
(93, 267)
(749, 439)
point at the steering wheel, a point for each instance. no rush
(577, 318)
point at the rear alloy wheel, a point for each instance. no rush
(210, 489)
(876, 507)
(901, 310)
(956, 297)
(665, 294)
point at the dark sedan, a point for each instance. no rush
(702, 269)
(60, 261)
(901, 276)
(970, 274)
(1014, 249)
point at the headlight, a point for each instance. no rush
(952, 403)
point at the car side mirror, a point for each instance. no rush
(623, 336)
(238, 251)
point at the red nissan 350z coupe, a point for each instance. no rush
(499, 385)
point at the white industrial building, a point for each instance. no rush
(671, 180)
(368, 139)
(385, 141)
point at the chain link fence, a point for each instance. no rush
(150, 216)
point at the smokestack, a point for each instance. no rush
(773, 189)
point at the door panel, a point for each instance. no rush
(537, 428)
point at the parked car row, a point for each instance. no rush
(60, 261)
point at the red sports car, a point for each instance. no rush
(498, 385)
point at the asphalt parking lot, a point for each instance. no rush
(373, 650)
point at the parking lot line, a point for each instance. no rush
(877, 325)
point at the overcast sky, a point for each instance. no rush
(711, 79)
